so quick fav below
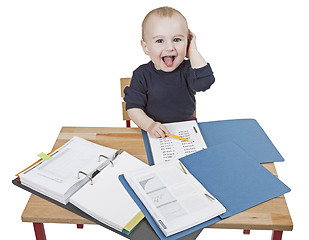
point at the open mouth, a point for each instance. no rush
(168, 60)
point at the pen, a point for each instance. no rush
(177, 137)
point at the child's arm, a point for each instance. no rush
(196, 59)
(139, 117)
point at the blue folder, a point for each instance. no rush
(246, 133)
(231, 175)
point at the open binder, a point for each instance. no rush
(230, 175)
(82, 177)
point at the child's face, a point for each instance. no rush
(165, 41)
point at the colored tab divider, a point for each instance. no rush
(138, 217)
(44, 156)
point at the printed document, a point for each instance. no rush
(174, 198)
(168, 148)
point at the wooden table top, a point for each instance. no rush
(270, 215)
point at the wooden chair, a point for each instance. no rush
(124, 82)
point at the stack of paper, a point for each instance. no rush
(58, 177)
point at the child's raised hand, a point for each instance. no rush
(196, 59)
(157, 130)
(192, 46)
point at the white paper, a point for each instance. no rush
(168, 148)
(107, 200)
(175, 199)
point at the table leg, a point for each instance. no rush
(128, 124)
(277, 235)
(80, 226)
(247, 231)
(39, 231)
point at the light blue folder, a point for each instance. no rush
(246, 133)
(231, 175)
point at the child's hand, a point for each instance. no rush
(196, 59)
(192, 46)
(157, 130)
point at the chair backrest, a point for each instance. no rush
(124, 82)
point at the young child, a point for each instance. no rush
(163, 90)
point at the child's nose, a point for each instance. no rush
(170, 46)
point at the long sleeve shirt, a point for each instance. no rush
(167, 96)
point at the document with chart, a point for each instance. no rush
(169, 148)
(174, 198)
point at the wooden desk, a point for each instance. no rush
(271, 215)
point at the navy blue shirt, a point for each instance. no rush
(167, 96)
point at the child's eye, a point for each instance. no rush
(159, 41)
(177, 39)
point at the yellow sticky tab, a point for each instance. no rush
(134, 221)
(44, 156)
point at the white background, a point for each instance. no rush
(61, 61)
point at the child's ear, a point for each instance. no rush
(145, 48)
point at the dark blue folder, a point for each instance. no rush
(231, 175)
(246, 133)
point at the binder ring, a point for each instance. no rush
(102, 156)
(90, 178)
(107, 159)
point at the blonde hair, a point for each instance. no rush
(162, 12)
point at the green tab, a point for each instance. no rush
(44, 156)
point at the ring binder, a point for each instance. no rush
(101, 155)
(111, 159)
(71, 189)
(116, 154)
(90, 178)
